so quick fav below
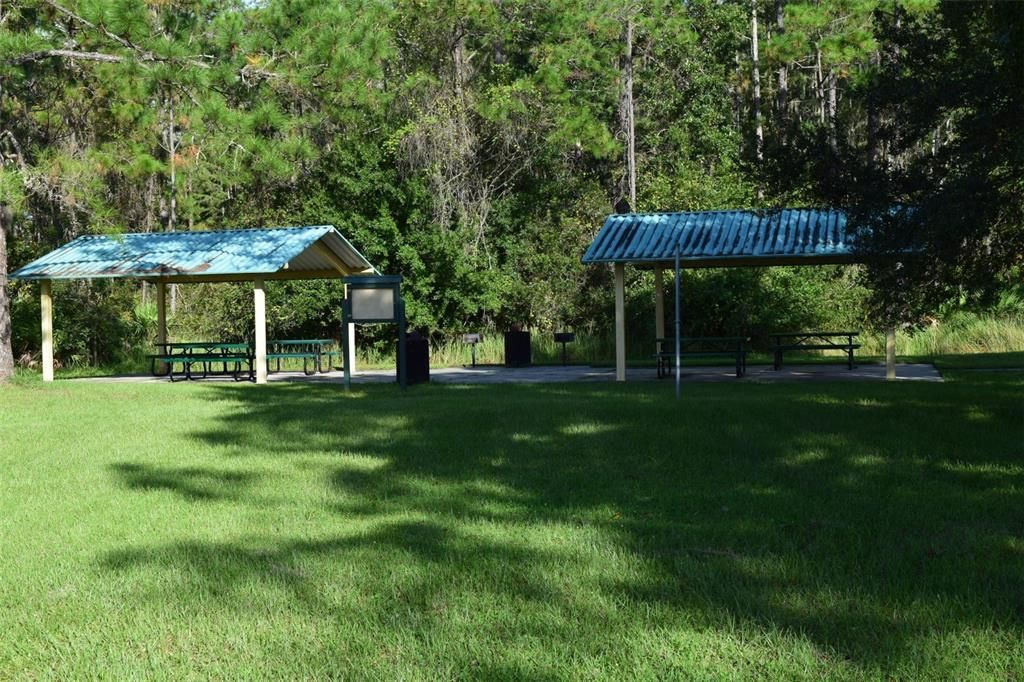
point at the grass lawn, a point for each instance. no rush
(849, 530)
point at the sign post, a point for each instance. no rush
(375, 300)
(472, 340)
(564, 338)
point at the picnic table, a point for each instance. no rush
(843, 341)
(207, 354)
(701, 346)
(312, 352)
(316, 356)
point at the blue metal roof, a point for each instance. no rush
(202, 255)
(720, 238)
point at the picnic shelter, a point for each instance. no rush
(162, 258)
(709, 239)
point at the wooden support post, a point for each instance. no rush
(161, 319)
(46, 308)
(659, 304)
(350, 347)
(620, 322)
(890, 353)
(260, 301)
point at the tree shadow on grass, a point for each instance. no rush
(291, 563)
(192, 483)
(864, 517)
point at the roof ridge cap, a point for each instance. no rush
(218, 231)
(825, 209)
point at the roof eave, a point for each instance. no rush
(332, 256)
(733, 261)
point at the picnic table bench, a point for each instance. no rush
(312, 352)
(236, 358)
(204, 353)
(317, 352)
(701, 346)
(843, 341)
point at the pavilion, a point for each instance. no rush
(707, 239)
(250, 255)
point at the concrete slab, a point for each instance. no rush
(545, 374)
(755, 373)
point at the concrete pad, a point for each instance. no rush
(907, 372)
(545, 374)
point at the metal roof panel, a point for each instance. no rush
(199, 254)
(711, 237)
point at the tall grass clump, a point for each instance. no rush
(958, 333)
(453, 352)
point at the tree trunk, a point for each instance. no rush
(833, 143)
(819, 90)
(172, 214)
(874, 121)
(756, 65)
(499, 42)
(188, 197)
(627, 187)
(459, 64)
(737, 96)
(782, 94)
(878, 158)
(6, 352)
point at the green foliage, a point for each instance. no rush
(475, 146)
(97, 323)
(959, 332)
(222, 312)
(756, 302)
(956, 88)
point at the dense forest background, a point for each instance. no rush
(475, 147)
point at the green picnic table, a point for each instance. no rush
(204, 353)
(701, 346)
(310, 351)
(843, 341)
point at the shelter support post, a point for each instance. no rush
(260, 305)
(161, 318)
(350, 347)
(890, 353)
(620, 322)
(659, 304)
(348, 338)
(676, 278)
(346, 315)
(46, 308)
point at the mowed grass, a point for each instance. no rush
(855, 531)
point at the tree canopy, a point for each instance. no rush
(474, 146)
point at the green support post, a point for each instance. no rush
(401, 344)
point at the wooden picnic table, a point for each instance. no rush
(701, 346)
(782, 342)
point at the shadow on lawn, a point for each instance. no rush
(861, 516)
(192, 483)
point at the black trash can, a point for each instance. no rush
(417, 359)
(517, 349)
